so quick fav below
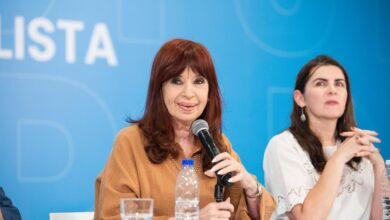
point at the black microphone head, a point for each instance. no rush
(199, 125)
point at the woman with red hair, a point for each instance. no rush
(145, 159)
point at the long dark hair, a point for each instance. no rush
(301, 130)
(156, 124)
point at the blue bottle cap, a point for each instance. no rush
(187, 162)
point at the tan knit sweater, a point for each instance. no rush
(129, 173)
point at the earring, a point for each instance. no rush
(303, 116)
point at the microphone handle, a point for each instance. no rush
(208, 143)
(212, 150)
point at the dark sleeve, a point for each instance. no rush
(8, 210)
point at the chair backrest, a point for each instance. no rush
(71, 216)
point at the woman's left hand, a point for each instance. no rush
(367, 137)
(225, 163)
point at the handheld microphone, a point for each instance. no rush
(200, 128)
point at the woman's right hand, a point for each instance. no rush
(217, 210)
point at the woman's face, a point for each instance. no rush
(185, 96)
(325, 94)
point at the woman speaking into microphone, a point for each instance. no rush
(146, 156)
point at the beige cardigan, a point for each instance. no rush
(129, 173)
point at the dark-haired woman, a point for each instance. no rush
(7, 209)
(145, 159)
(323, 167)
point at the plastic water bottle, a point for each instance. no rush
(187, 192)
(386, 191)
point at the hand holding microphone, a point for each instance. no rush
(200, 128)
(227, 169)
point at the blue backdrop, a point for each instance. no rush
(72, 71)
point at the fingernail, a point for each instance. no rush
(230, 180)
(213, 160)
(219, 172)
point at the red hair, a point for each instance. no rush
(156, 124)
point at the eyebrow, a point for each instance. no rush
(323, 79)
(198, 75)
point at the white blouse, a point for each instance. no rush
(289, 176)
